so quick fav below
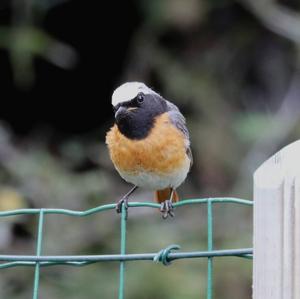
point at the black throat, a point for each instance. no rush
(136, 126)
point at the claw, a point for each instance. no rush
(167, 209)
(122, 201)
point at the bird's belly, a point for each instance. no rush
(154, 180)
(155, 162)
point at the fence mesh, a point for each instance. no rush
(165, 256)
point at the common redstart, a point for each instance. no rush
(149, 144)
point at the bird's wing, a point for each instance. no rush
(178, 121)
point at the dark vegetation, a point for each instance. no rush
(233, 69)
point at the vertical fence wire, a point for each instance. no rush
(123, 251)
(38, 253)
(209, 291)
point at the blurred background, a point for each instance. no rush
(233, 69)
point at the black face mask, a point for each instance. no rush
(136, 118)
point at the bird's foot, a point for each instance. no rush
(124, 201)
(167, 209)
(120, 203)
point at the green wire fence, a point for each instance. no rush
(165, 256)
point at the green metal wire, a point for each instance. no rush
(209, 248)
(165, 255)
(131, 204)
(38, 253)
(79, 260)
(123, 251)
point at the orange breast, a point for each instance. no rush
(162, 151)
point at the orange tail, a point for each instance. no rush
(162, 195)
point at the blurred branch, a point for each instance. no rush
(48, 4)
(25, 40)
(26, 43)
(276, 17)
(286, 23)
(282, 123)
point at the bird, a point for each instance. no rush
(149, 144)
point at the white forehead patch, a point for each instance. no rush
(129, 91)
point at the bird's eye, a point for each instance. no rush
(140, 98)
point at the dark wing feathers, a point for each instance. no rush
(178, 121)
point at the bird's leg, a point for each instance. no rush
(124, 200)
(166, 206)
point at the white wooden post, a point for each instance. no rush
(276, 264)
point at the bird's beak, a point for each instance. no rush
(121, 110)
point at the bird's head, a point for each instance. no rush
(136, 107)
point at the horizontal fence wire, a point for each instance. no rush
(166, 256)
(122, 257)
